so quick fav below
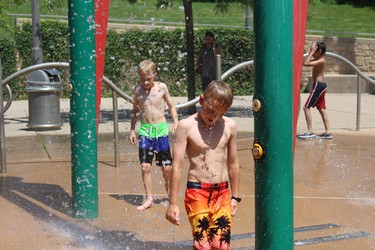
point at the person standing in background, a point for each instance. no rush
(206, 63)
(316, 60)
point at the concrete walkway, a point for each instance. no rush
(341, 110)
(333, 182)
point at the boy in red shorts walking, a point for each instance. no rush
(316, 60)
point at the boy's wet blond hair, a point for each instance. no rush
(147, 67)
(219, 94)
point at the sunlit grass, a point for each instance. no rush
(146, 11)
(324, 17)
(344, 18)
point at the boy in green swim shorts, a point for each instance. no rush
(211, 198)
(149, 99)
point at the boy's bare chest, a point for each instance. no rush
(151, 98)
(203, 139)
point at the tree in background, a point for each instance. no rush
(188, 9)
(357, 3)
(221, 7)
(6, 21)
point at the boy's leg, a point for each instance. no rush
(325, 119)
(210, 223)
(145, 158)
(164, 157)
(147, 183)
(308, 118)
(166, 175)
(199, 217)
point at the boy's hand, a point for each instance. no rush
(173, 214)
(132, 138)
(175, 128)
(233, 207)
(314, 47)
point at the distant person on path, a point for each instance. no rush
(149, 99)
(209, 140)
(316, 60)
(206, 63)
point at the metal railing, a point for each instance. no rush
(359, 90)
(118, 92)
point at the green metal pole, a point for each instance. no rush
(83, 111)
(273, 123)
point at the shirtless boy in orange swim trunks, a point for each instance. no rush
(209, 140)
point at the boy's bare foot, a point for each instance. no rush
(145, 205)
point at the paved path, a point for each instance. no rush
(341, 110)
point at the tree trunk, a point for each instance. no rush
(188, 8)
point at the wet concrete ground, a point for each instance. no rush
(333, 185)
(334, 188)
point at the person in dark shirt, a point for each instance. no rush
(206, 63)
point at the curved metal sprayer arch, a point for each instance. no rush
(113, 86)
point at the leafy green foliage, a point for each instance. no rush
(5, 20)
(359, 3)
(167, 48)
(8, 64)
(7, 6)
(8, 57)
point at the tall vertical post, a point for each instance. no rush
(101, 24)
(83, 109)
(36, 54)
(273, 123)
(300, 10)
(3, 148)
(189, 27)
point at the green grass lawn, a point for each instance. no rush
(324, 17)
(343, 18)
(204, 13)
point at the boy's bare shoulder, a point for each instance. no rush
(161, 84)
(230, 121)
(187, 122)
(136, 88)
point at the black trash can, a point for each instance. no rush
(44, 87)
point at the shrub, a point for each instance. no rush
(126, 49)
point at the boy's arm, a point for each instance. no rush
(171, 108)
(179, 148)
(233, 166)
(134, 117)
(310, 60)
(199, 61)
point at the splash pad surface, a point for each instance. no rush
(334, 199)
(333, 186)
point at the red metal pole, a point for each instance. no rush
(101, 24)
(300, 8)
